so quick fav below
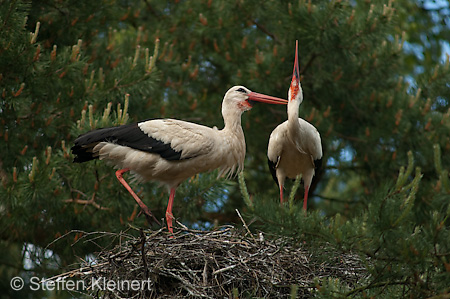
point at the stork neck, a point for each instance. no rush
(295, 99)
(234, 139)
(292, 107)
(293, 124)
(232, 119)
(294, 128)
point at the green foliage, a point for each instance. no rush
(405, 249)
(426, 26)
(294, 191)
(67, 67)
(244, 191)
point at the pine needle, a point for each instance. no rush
(244, 191)
(294, 189)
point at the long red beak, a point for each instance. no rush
(295, 82)
(259, 97)
(296, 72)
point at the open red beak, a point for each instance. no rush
(259, 97)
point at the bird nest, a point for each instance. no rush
(225, 263)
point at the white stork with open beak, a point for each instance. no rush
(171, 151)
(294, 146)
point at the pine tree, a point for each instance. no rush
(69, 67)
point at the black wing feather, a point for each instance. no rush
(126, 135)
(318, 164)
(273, 170)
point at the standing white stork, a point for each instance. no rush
(169, 150)
(294, 146)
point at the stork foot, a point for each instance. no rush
(169, 218)
(149, 216)
(169, 215)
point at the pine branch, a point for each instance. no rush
(304, 68)
(264, 29)
(294, 189)
(244, 191)
(87, 202)
(376, 285)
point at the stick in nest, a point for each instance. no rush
(245, 225)
(216, 264)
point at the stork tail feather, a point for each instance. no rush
(126, 135)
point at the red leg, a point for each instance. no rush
(305, 199)
(148, 214)
(169, 215)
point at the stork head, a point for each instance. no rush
(244, 99)
(295, 90)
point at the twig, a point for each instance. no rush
(245, 225)
(144, 260)
(264, 29)
(87, 202)
(308, 64)
(182, 225)
(223, 269)
(72, 273)
(186, 265)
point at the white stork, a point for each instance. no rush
(169, 150)
(294, 146)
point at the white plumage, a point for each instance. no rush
(169, 150)
(294, 146)
(201, 149)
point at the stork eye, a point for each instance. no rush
(242, 90)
